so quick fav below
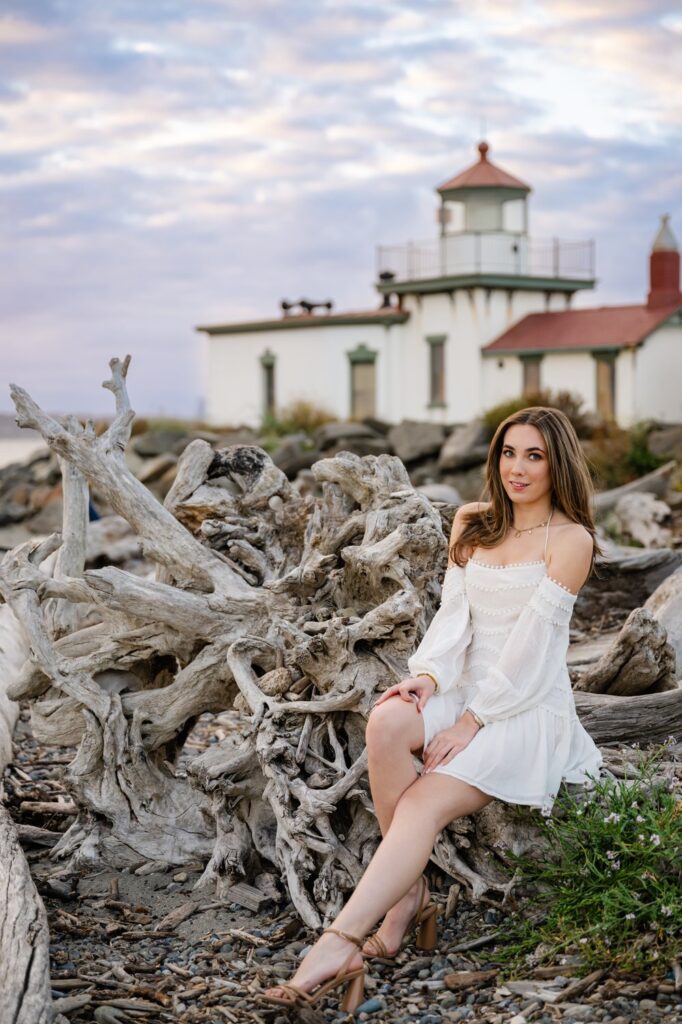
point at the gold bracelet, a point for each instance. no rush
(479, 721)
(432, 678)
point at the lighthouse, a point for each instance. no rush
(481, 273)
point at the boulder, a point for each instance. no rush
(240, 435)
(331, 433)
(291, 457)
(466, 446)
(360, 446)
(157, 442)
(441, 492)
(642, 518)
(153, 469)
(469, 482)
(666, 443)
(665, 604)
(414, 439)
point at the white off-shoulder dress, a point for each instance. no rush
(498, 644)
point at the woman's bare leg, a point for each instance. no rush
(423, 810)
(395, 731)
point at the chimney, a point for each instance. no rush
(664, 268)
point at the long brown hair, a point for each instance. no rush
(571, 490)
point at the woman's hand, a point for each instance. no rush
(449, 742)
(414, 688)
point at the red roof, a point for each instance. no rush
(604, 327)
(483, 174)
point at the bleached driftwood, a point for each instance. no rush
(295, 610)
(655, 483)
(24, 936)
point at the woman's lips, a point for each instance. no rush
(518, 487)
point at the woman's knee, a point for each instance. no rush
(392, 723)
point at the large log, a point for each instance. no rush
(24, 937)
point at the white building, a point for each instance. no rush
(480, 314)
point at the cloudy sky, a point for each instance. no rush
(177, 162)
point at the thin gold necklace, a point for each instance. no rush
(529, 529)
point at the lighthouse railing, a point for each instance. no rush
(487, 252)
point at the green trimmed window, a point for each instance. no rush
(362, 382)
(267, 361)
(436, 343)
(531, 374)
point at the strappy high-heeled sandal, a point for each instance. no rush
(424, 922)
(354, 981)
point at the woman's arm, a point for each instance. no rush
(443, 647)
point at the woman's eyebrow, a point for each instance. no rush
(535, 448)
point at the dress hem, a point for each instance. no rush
(539, 802)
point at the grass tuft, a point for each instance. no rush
(611, 890)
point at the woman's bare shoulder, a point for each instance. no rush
(464, 511)
(460, 520)
(570, 555)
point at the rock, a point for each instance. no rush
(157, 442)
(291, 457)
(466, 446)
(666, 443)
(13, 535)
(640, 517)
(469, 482)
(361, 446)
(154, 468)
(371, 1006)
(414, 439)
(656, 482)
(331, 433)
(666, 605)
(441, 492)
(241, 435)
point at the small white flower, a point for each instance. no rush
(641, 839)
(583, 941)
(655, 839)
(634, 804)
(611, 818)
(639, 819)
(611, 854)
(667, 911)
(615, 865)
(629, 917)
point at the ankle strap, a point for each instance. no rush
(344, 935)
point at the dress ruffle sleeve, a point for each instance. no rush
(533, 656)
(444, 644)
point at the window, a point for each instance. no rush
(531, 374)
(362, 382)
(267, 361)
(606, 384)
(436, 343)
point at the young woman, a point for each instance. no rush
(488, 700)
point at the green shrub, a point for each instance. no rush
(300, 415)
(610, 891)
(566, 401)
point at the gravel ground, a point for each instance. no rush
(142, 945)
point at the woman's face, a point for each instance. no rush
(524, 466)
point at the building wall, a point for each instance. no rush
(469, 318)
(311, 363)
(658, 394)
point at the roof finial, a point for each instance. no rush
(483, 148)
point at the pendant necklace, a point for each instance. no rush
(529, 529)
